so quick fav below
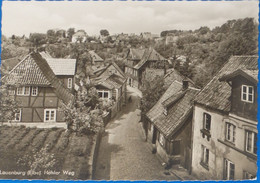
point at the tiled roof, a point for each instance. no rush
(45, 54)
(112, 82)
(179, 108)
(26, 72)
(62, 66)
(136, 54)
(95, 57)
(172, 75)
(158, 108)
(149, 55)
(251, 75)
(216, 94)
(34, 70)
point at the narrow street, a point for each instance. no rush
(123, 153)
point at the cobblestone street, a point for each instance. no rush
(124, 154)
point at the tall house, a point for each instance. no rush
(225, 123)
(138, 60)
(34, 83)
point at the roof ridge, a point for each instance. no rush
(244, 56)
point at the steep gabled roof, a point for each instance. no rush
(216, 94)
(178, 103)
(149, 55)
(26, 72)
(136, 54)
(95, 57)
(158, 108)
(172, 75)
(34, 70)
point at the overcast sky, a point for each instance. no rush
(129, 17)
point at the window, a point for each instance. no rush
(17, 115)
(49, 115)
(25, 90)
(161, 139)
(34, 91)
(230, 132)
(248, 175)
(247, 94)
(11, 92)
(229, 170)
(69, 82)
(207, 121)
(251, 142)
(103, 94)
(165, 111)
(205, 156)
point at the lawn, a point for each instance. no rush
(71, 153)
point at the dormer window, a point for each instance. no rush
(247, 93)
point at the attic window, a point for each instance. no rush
(247, 93)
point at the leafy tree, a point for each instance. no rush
(152, 91)
(37, 39)
(104, 32)
(70, 33)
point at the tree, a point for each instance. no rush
(37, 39)
(152, 91)
(70, 33)
(104, 32)
(8, 105)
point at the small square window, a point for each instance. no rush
(34, 91)
(69, 82)
(247, 94)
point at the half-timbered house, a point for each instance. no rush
(38, 91)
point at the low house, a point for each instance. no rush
(172, 75)
(110, 83)
(225, 123)
(137, 60)
(169, 124)
(38, 91)
(79, 37)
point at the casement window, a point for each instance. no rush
(251, 142)
(49, 115)
(69, 82)
(247, 93)
(25, 90)
(230, 132)
(103, 94)
(229, 172)
(34, 90)
(205, 156)
(11, 92)
(17, 115)
(161, 139)
(247, 175)
(206, 121)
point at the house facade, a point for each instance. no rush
(169, 124)
(225, 124)
(111, 87)
(137, 60)
(37, 90)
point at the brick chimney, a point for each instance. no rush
(185, 84)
